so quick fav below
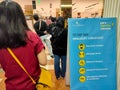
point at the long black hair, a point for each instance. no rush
(13, 25)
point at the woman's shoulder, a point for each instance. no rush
(32, 35)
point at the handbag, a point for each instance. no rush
(45, 79)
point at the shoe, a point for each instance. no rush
(60, 78)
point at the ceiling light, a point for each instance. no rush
(66, 5)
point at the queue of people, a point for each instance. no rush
(28, 46)
(57, 41)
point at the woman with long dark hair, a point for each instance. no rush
(25, 44)
(59, 47)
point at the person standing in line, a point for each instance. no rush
(52, 25)
(48, 20)
(25, 44)
(59, 47)
(41, 27)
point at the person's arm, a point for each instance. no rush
(0, 66)
(42, 57)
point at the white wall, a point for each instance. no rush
(82, 6)
(45, 4)
(112, 9)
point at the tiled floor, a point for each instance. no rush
(58, 84)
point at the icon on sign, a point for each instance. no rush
(82, 62)
(81, 54)
(82, 70)
(81, 46)
(82, 79)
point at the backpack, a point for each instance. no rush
(56, 31)
(56, 36)
(51, 28)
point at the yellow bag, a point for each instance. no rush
(45, 80)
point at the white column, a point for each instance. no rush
(112, 9)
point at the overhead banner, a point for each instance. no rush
(92, 53)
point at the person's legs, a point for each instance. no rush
(48, 44)
(57, 65)
(63, 66)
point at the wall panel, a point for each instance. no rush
(112, 9)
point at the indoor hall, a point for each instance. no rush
(111, 9)
(27, 6)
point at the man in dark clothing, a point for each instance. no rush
(41, 28)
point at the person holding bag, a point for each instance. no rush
(26, 45)
(41, 29)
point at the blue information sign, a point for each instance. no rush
(92, 53)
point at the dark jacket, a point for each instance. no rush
(42, 29)
(59, 40)
(50, 27)
(59, 45)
